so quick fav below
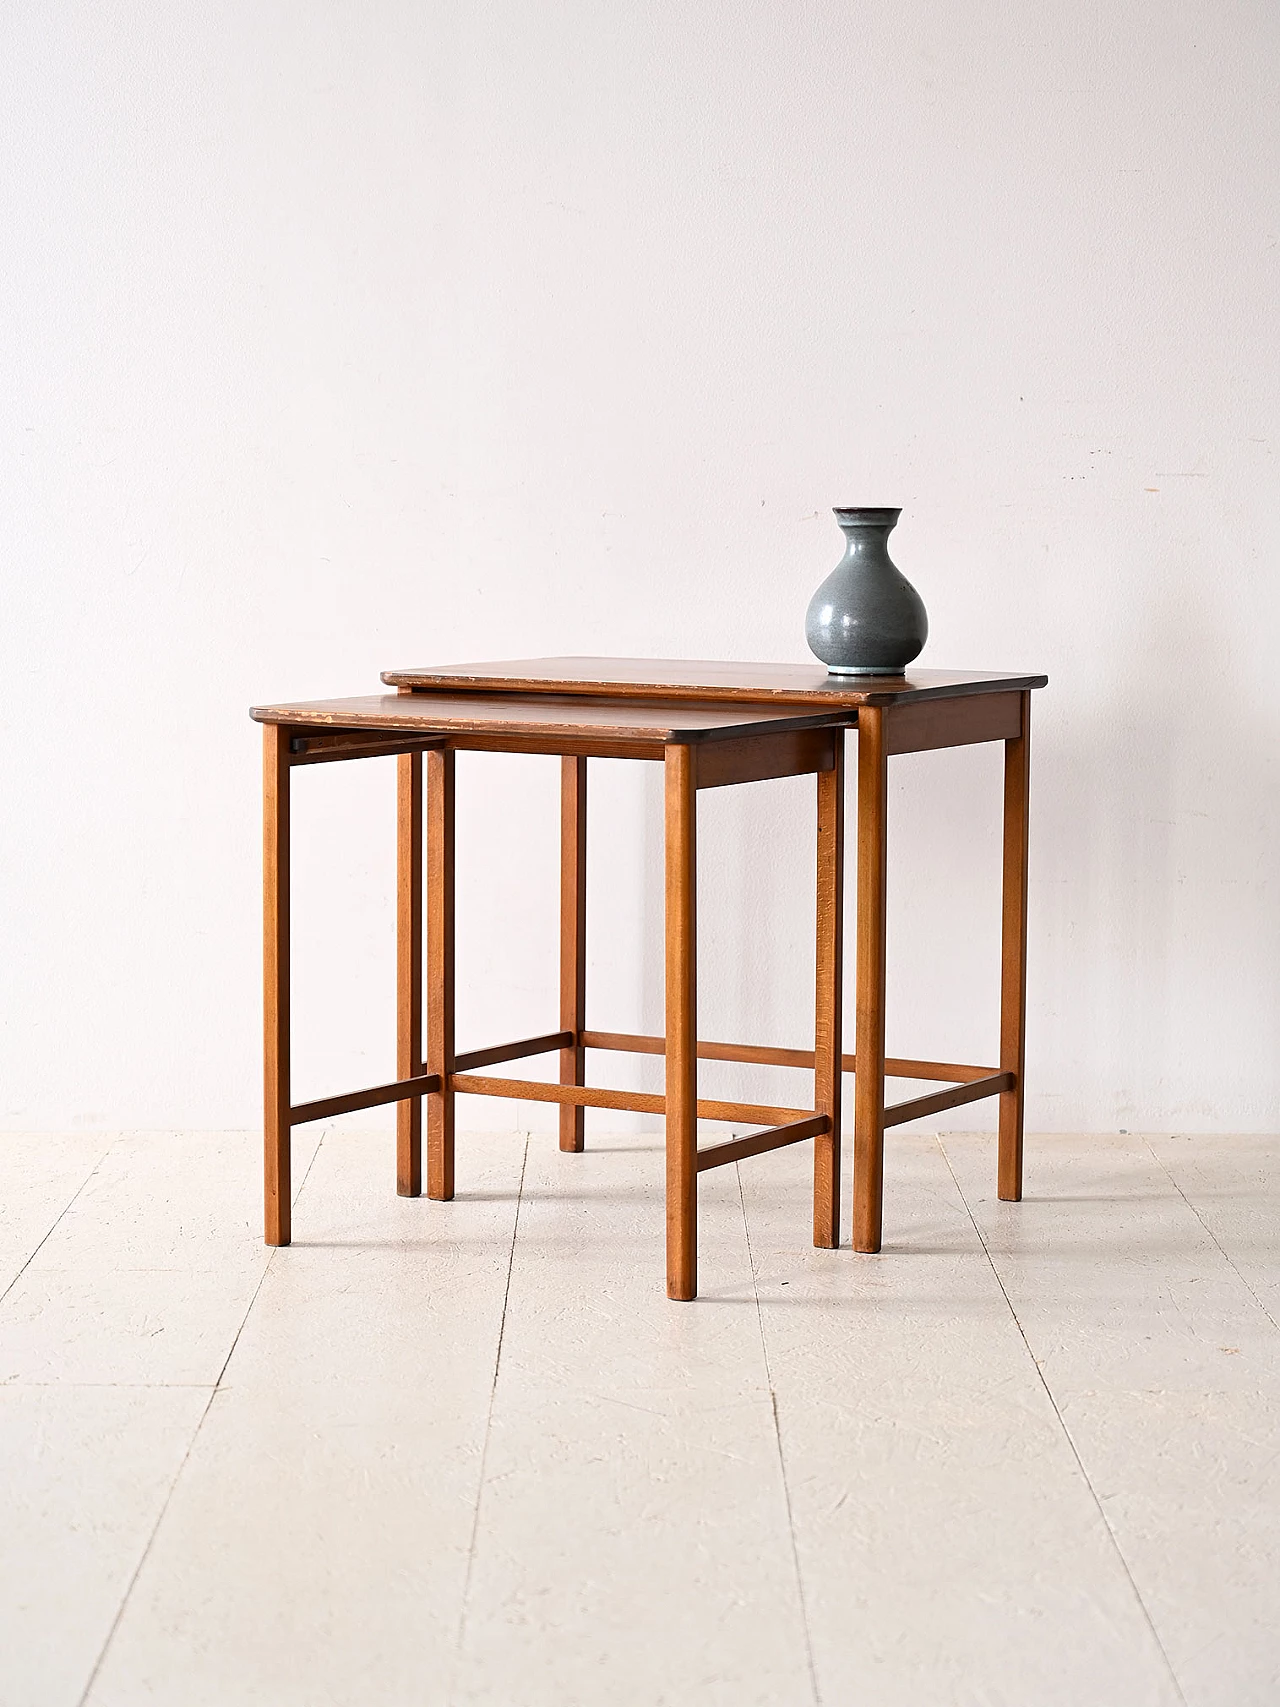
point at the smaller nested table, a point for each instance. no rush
(710, 725)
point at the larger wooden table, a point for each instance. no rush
(710, 725)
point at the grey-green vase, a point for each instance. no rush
(866, 619)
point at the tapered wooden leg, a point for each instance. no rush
(409, 969)
(440, 1045)
(868, 1084)
(277, 1190)
(828, 1070)
(1013, 954)
(682, 1024)
(573, 938)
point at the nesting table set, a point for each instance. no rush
(710, 725)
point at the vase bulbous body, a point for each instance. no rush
(866, 619)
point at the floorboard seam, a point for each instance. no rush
(186, 1456)
(54, 1224)
(777, 1437)
(1226, 1257)
(1066, 1432)
(488, 1421)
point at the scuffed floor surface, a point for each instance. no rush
(468, 1453)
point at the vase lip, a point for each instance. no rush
(857, 515)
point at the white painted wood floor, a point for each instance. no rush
(469, 1453)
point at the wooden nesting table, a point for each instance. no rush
(710, 725)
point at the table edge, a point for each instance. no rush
(843, 698)
(302, 715)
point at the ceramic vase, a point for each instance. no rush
(866, 619)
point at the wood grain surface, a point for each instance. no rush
(554, 715)
(573, 941)
(703, 679)
(276, 1144)
(1013, 955)
(829, 1002)
(868, 1084)
(681, 1100)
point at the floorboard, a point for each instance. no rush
(950, 1546)
(1166, 1372)
(315, 1548)
(633, 1541)
(468, 1454)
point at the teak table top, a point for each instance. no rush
(570, 717)
(676, 679)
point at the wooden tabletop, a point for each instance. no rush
(547, 714)
(687, 679)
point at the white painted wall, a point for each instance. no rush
(336, 337)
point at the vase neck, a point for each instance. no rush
(867, 530)
(866, 539)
